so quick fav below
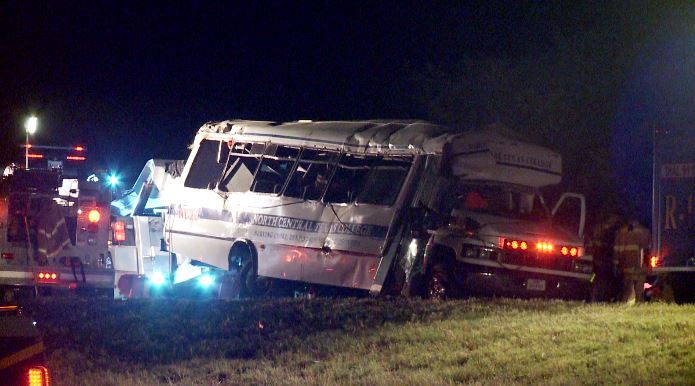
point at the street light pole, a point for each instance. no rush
(30, 127)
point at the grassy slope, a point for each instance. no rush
(367, 341)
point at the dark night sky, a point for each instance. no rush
(135, 81)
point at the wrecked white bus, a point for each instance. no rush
(381, 206)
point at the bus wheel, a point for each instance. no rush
(440, 283)
(251, 285)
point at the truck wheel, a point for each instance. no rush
(440, 283)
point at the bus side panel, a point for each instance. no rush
(341, 268)
(199, 228)
(302, 240)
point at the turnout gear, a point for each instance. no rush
(608, 280)
(631, 242)
(51, 232)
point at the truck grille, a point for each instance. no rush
(536, 260)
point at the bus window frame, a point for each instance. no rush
(217, 160)
(231, 145)
(265, 155)
(405, 159)
(375, 157)
(332, 167)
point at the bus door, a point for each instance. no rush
(360, 203)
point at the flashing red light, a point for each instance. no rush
(544, 247)
(47, 276)
(38, 376)
(564, 251)
(79, 148)
(574, 252)
(93, 216)
(516, 244)
(119, 231)
(76, 158)
(35, 155)
(654, 261)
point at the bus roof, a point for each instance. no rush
(491, 153)
(368, 136)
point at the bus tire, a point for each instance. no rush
(242, 258)
(440, 283)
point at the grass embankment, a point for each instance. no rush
(366, 341)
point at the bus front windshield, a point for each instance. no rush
(502, 200)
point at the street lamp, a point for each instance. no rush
(30, 126)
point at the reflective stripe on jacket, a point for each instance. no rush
(52, 232)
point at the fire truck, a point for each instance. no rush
(673, 260)
(54, 227)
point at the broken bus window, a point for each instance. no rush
(310, 178)
(208, 164)
(275, 167)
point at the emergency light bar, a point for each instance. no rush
(75, 148)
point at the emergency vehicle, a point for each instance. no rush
(378, 206)
(22, 353)
(53, 228)
(673, 259)
(141, 260)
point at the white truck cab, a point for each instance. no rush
(501, 238)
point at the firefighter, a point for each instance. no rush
(631, 242)
(52, 233)
(608, 280)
